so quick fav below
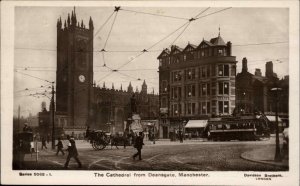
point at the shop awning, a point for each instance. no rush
(273, 119)
(196, 124)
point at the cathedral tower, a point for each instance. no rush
(74, 74)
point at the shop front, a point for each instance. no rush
(195, 128)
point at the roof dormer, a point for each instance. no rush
(164, 53)
(175, 50)
(204, 44)
(189, 48)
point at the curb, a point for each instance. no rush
(261, 161)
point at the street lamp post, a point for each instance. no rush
(53, 117)
(277, 150)
(153, 133)
(244, 93)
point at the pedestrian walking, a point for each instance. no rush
(181, 136)
(87, 133)
(138, 145)
(125, 139)
(60, 147)
(72, 152)
(114, 141)
(44, 143)
(48, 138)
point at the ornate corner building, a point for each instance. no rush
(196, 82)
(79, 102)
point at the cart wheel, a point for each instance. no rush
(99, 145)
(94, 145)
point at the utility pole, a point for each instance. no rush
(277, 151)
(153, 133)
(53, 117)
(19, 110)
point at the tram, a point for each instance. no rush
(244, 128)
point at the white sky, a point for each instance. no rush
(35, 28)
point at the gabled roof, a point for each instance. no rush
(218, 41)
(190, 46)
(204, 42)
(175, 49)
(164, 53)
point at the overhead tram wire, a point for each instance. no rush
(152, 45)
(187, 23)
(180, 33)
(134, 78)
(32, 89)
(267, 43)
(103, 50)
(133, 51)
(125, 51)
(192, 19)
(104, 24)
(145, 50)
(202, 12)
(142, 69)
(37, 70)
(146, 13)
(110, 30)
(34, 77)
(38, 49)
(214, 13)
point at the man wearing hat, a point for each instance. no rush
(25, 128)
(139, 145)
(72, 152)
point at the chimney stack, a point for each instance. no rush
(258, 72)
(269, 69)
(244, 65)
(229, 52)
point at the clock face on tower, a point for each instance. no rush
(81, 78)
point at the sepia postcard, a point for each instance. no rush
(150, 92)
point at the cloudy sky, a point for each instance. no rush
(249, 30)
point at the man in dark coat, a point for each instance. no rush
(72, 152)
(26, 128)
(44, 143)
(59, 147)
(87, 133)
(138, 145)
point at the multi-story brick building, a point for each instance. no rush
(257, 93)
(196, 82)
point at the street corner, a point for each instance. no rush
(265, 156)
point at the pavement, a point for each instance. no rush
(266, 156)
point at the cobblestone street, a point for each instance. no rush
(192, 155)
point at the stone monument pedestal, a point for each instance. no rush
(134, 123)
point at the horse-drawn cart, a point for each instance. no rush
(99, 139)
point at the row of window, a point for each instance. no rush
(203, 90)
(203, 108)
(192, 55)
(203, 72)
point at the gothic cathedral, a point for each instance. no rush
(74, 74)
(79, 102)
